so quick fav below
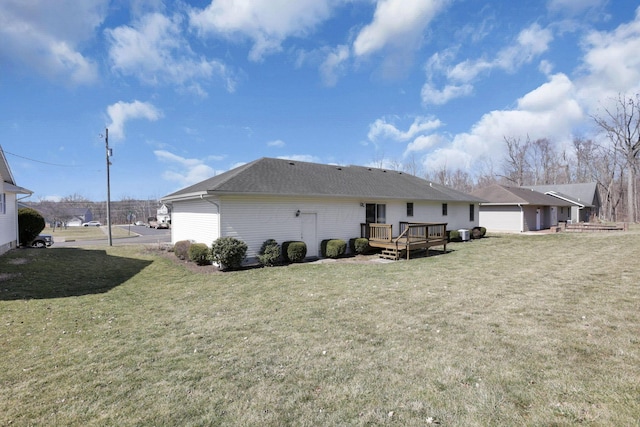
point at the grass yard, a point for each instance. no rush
(508, 330)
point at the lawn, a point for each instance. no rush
(507, 330)
(87, 233)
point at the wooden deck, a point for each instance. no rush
(412, 236)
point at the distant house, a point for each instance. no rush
(518, 209)
(9, 192)
(584, 199)
(75, 217)
(163, 215)
(291, 200)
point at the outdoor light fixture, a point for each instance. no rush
(298, 212)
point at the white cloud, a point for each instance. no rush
(381, 129)
(36, 34)
(334, 65)
(184, 171)
(434, 96)
(267, 23)
(301, 158)
(121, 112)
(550, 111)
(611, 63)
(573, 7)
(155, 51)
(276, 143)
(530, 43)
(397, 23)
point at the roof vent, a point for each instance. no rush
(292, 164)
(339, 168)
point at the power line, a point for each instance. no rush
(40, 161)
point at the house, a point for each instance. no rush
(291, 200)
(9, 191)
(163, 215)
(518, 209)
(584, 198)
(75, 217)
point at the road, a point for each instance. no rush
(139, 235)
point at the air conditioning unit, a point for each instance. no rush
(464, 234)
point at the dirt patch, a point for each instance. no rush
(18, 261)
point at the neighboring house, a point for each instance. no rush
(584, 198)
(163, 215)
(9, 192)
(518, 209)
(75, 217)
(291, 200)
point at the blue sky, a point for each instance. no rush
(192, 89)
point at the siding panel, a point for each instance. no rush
(196, 220)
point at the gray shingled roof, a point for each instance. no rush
(268, 176)
(583, 193)
(502, 194)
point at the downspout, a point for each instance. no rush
(219, 218)
(521, 217)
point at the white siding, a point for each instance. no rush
(501, 218)
(8, 222)
(196, 220)
(254, 219)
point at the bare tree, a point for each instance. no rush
(516, 163)
(621, 124)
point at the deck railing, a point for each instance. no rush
(414, 231)
(380, 232)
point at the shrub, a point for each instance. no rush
(294, 251)
(30, 224)
(335, 248)
(454, 236)
(228, 252)
(199, 253)
(359, 245)
(478, 232)
(181, 249)
(269, 253)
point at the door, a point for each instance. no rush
(538, 226)
(309, 233)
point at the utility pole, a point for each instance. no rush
(109, 154)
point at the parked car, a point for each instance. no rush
(42, 241)
(140, 223)
(162, 225)
(91, 224)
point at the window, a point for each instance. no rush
(444, 209)
(409, 209)
(472, 212)
(376, 213)
(3, 203)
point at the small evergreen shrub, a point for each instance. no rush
(199, 253)
(454, 236)
(295, 251)
(181, 249)
(228, 252)
(30, 224)
(335, 248)
(483, 231)
(269, 253)
(359, 245)
(476, 233)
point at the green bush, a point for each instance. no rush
(199, 253)
(30, 224)
(359, 245)
(478, 232)
(294, 251)
(228, 252)
(269, 253)
(454, 236)
(335, 248)
(181, 249)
